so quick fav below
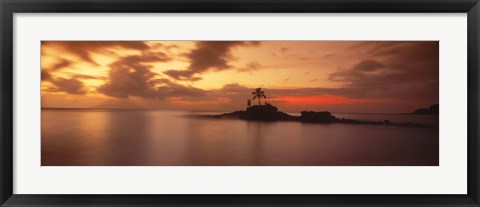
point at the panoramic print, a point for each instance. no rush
(240, 103)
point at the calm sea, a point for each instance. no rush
(80, 137)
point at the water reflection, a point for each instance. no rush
(140, 138)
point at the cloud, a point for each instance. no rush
(395, 70)
(127, 78)
(359, 70)
(368, 66)
(70, 86)
(396, 48)
(405, 71)
(249, 67)
(182, 75)
(379, 48)
(84, 49)
(131, 76)
(234, 88)
(62, 64)
(208, 55)
(45, 75)
(146, 57)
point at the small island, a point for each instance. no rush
(268, 112)
(432, 110)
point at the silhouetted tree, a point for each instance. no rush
(258, 94)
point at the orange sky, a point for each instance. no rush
(338, 76)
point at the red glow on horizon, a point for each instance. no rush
(301, 100)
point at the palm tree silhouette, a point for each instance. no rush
(258, 93)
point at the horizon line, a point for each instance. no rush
(150, 109)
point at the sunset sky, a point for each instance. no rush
(338, 76)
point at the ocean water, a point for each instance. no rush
(88, 137)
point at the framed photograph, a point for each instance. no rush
(239, 103)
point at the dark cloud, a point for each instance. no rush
(177, 90)
(208, 55)
(83, 49)
(214, 54)
(397, 70)
(146, 57)
(367, 66)
(358, 71)
(395, 48)
(234, 88)
(182, 75)
(70, 86)
(45, 75)
(249, 67)
(131, 76)
(379, 48)
(62, 64)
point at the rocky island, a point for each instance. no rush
(432, 110)
(268, 112)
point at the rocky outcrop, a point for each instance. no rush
(317, 117)
(264, 113)
(270, 113)
(432, 110)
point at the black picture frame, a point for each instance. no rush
(10, 7)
